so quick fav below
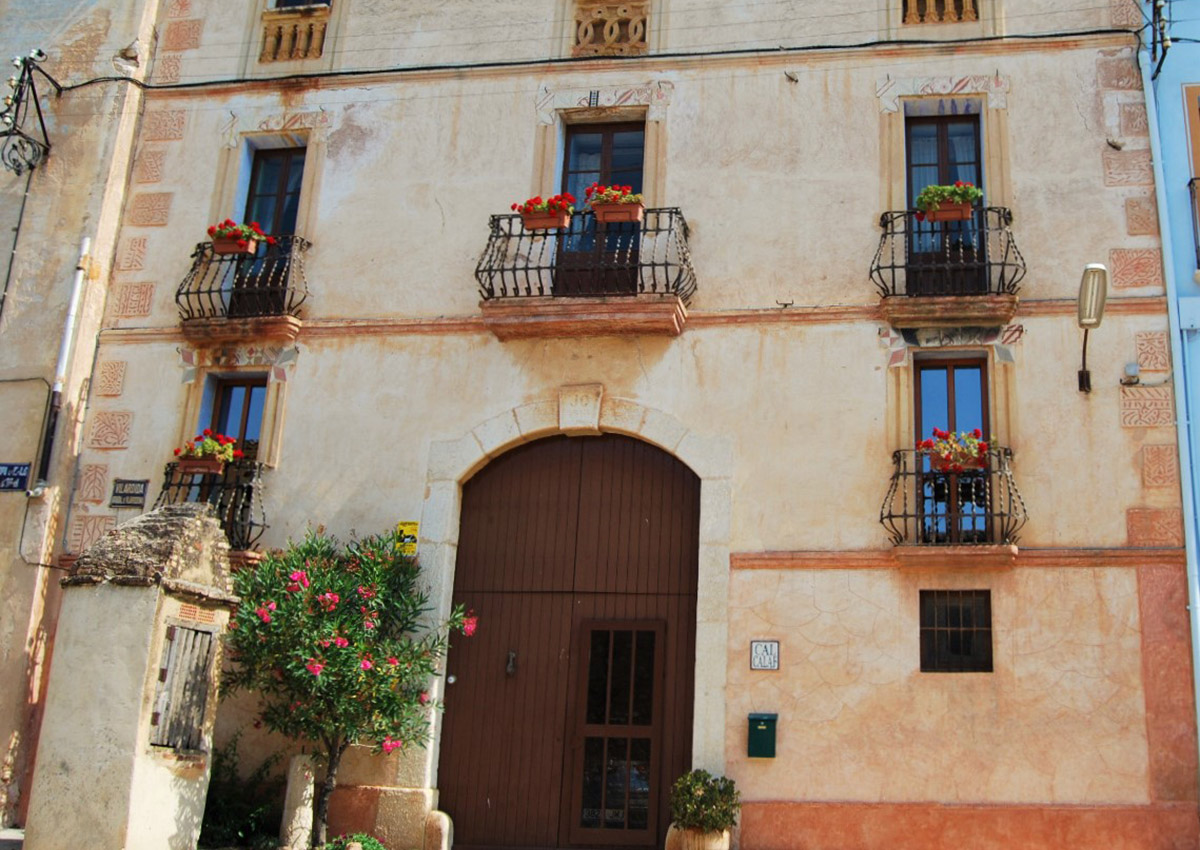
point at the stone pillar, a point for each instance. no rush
(124, 756)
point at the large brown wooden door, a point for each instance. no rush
(570, 712)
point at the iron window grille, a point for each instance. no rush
(956, 631)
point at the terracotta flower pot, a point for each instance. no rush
(695, 839)
(614, 213)
(229, 245)
(201, 465)
(941, 464)
(951, 211)
(545, 220)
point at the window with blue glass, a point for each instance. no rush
(237, 410)
(260, 286)
(952, 395)
(946, 257)
(600, 259)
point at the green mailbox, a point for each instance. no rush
(760, 744)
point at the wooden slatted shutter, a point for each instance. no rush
(181, 694)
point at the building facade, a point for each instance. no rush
(51, 307)
(673, 464)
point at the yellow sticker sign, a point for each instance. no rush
(408, 537)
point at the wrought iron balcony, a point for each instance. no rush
(924, 507)
(922, 258)
(268, 283)
(235, 495)
(586, 259)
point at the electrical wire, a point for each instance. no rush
(584, 60)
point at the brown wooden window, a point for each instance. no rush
(939, 11)
(181, 694)
(274, 197)
(954, 507)
(603, 153)
(942, 149)
(956, 631)
(237, 411)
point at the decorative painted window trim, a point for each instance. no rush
(654, 95)
(994, 89)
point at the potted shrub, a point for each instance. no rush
(539, 214)
(229, 237)
(703, 810)
(947, 203)
(207, 453)
(615, 203)
(955, 451)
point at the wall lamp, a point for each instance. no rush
(1093, 289)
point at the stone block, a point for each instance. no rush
(579, 408)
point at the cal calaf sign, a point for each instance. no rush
(14, 476)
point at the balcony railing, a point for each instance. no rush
(922, 258)
(928, 508)
(235, 495)
(270, 282)
(586, 259)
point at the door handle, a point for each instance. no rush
(510, 668)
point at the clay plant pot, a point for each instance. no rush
(545, 220)
(227, 245)
(940, 464)
(695, 839)
(201, 466)
(615, 213)
(951, 211)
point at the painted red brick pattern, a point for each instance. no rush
(150, 209)
(1147, 407)
(133, 300)
(1128, 168)
(111, 378)
(1160, 466)
(111, 429)
(166, 125)
(1141, 216)
(93, 482)
(1119, 73)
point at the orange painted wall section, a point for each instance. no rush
(929, 826)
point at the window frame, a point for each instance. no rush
(259, 157)
(932, 660)
(928, 363)
(221, 387)
(941, 123)
(607, 131)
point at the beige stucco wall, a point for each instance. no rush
(99, 690)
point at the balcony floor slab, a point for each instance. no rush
(543, 317)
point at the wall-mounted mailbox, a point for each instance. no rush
(760, 743)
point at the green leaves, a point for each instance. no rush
(702, 801)
(337, 642)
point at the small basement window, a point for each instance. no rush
(181, 695)
(956, 631)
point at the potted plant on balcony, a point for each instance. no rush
(207, 453)
(947, 203)
(542, 214)
(703, 810)
(955, 451)
(613, 204)
(229, 237)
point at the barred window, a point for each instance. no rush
(956, 631)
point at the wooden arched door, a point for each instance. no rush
(570, 712)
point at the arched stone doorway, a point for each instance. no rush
(571, 709)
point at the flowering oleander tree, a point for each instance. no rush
(336, 641)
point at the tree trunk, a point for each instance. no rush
(321, 812)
